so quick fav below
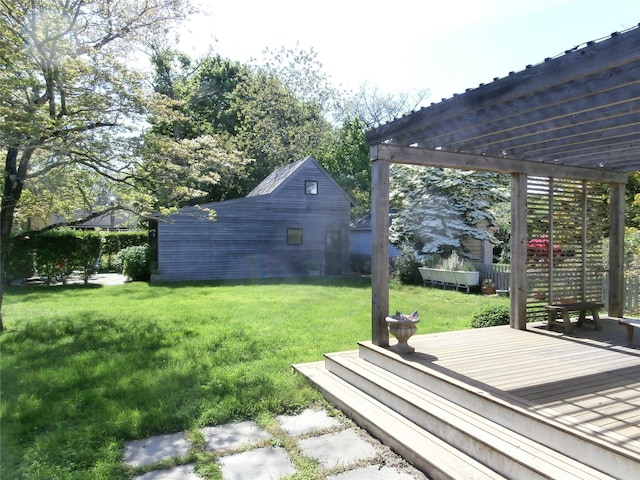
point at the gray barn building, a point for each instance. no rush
(297, 217)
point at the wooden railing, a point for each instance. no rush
(499, 274)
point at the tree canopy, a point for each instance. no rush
(438, 208)
(244, 119)
(67, 93)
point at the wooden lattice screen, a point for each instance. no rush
(564, 249)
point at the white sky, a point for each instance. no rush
(446, 46)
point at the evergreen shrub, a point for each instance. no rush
(136, 262)
(114, 242)
(406, 265)
(491, 316)
(60, 252)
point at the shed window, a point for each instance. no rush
(294, 236)
(311, 187)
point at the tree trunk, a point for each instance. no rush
(14, 175)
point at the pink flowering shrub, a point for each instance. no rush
(538, 251)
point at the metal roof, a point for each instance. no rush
(579, 109)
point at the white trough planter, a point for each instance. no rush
(455, 278)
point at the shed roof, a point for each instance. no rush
(276, 178)
(579, 109)
(279, 176)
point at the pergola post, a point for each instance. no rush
(616, 249)
(379, 250)
(518, 244)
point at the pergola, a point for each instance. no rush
(575, 117)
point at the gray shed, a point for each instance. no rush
(295, 221)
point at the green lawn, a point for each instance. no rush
(86, 368)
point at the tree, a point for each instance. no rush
(632, 191)
(274, 126)
(348, 162)
(188, 155)
(438, 208)
(236, 112)
(300, 72)
(197, 92)
(67, 94)
(374, 107)
(60, 192)
(184, 171)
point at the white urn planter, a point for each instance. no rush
(402, 327)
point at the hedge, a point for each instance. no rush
(55, 254)
(20, 261)
(114, 242)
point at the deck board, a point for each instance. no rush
(590, 375)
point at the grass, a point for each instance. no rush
(86, 368)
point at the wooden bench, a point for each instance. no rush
(562, 310)
(630, 323)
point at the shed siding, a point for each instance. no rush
(360, 243)
(249, 237)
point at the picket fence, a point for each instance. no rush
(499, 274)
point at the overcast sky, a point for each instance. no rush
(446, 46)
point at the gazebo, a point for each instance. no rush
(518, 402)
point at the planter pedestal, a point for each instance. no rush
(402, 328)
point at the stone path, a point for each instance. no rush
(243, 451)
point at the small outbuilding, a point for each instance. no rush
(295, 222)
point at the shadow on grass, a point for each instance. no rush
(75, 391)
(352, 281)
(22, 293)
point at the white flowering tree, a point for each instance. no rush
(438, 208)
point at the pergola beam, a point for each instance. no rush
(383, 155)
(439, 158)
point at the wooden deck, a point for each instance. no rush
(591, 376)
(498, 402)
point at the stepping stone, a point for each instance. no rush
(155, 449)
(232, 435)
(268, 463)
(307, 422)
(183, 472)
(372, 472)
(338, 449)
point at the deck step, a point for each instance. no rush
(501, 449)
(582, 442)
(424, 450)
